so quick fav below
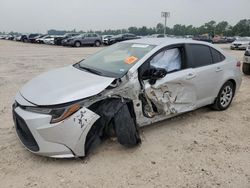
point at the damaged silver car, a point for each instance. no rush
(67, 111)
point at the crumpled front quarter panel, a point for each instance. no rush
(71, 132)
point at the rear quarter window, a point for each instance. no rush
(201, 55)
(217, 56)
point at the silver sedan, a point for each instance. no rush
(67, 111)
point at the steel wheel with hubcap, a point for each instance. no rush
(225, 96)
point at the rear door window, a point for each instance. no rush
(200, 55)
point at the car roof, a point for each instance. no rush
(165, 41)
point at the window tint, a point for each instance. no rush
(201, 55)
(217, 56)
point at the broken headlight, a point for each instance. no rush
(58, 114)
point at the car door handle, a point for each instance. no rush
(218, 69)
(190, 76)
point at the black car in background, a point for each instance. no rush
(58, 40)
(23, 38)
(32, 38)
(122, 37)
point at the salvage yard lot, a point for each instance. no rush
(203, 148)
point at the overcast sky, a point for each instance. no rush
(41, 15)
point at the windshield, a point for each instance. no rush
(116, 60)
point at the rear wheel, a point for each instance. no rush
(246, 68)
(77, 44)
(225, 96)
(97, 43)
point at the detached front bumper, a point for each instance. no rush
(60, 140)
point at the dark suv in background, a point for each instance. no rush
(58, 40)
(122, 37)
(91, 39)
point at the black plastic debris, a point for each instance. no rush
(117, 119)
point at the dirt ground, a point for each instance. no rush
(203, 148)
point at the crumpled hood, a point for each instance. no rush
(64, 85)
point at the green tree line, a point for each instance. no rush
(242, 28)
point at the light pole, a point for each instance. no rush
(165, 15)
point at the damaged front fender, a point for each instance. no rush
(71, 132)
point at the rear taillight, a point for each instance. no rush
(238, 64)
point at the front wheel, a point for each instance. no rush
(225, 96)
(246, 68)
(97, 43)
(77, 44)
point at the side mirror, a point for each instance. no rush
(154, 74)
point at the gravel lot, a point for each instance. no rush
(203, 148)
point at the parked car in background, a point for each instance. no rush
(49, 40)
(37, 37)
(204, 38)
(32, 38)
(241, 43)
(157, 36)
(246, 62)
(122, 37)
(2, 36)
(129, 84)
(92, 39)
(40, 40)
(24, 38)
(230, 39)
(219, 39)
(105, 39)
(58, 40)
(16, 37)
(9, 37)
